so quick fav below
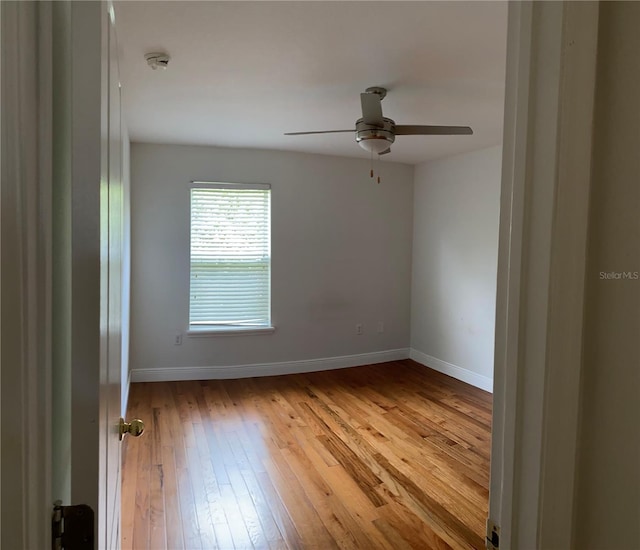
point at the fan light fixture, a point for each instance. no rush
(374, 145)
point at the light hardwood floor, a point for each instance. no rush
(389, 456)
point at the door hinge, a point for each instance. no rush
(493, 535)
(72, 527)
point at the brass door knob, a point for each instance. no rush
(134, 428)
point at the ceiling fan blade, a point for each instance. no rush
(387, 150)
(321, 132)
(410, 130)
(371, 109)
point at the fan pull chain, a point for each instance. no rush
(371, 172)
(379, 180)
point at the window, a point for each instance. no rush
(230, 256)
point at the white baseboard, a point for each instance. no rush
(175, 374)
(478, 380)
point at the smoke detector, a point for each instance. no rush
(157, 60)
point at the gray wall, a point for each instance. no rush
(341, 255)
(455, 251)
(608, 484)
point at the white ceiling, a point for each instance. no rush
(243, 73)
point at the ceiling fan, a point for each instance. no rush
(376, 133)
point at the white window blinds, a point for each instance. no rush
(230, 255)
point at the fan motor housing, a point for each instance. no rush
(368, 131)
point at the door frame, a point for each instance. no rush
(540, 297)
(546, 176)
(25, 278)
(28, 136)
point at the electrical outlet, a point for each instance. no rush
(380, 327)
(359, 329)
(177, 341)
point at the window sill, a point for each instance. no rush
(228, 331)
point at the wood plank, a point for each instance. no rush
(190, 526)
(202, 506)
(157, 529)
(301, 509)
(416, 531)
(346, 511)
(288, 529)
(440, 515)
(265, 513)
(139, 509)
(173, 517)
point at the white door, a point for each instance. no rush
(112, 245)
(87, 263)
(61, 260)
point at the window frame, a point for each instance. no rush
(205, 330)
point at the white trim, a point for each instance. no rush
(174, 374)
(568, 259)
(228, 331)
(505, 372)
(2, 169)
(551, 63)
(25, 209)
(459, 373)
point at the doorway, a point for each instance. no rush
(509, 473)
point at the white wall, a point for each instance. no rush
(608, 482)
(455, 250)
(341, 255)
